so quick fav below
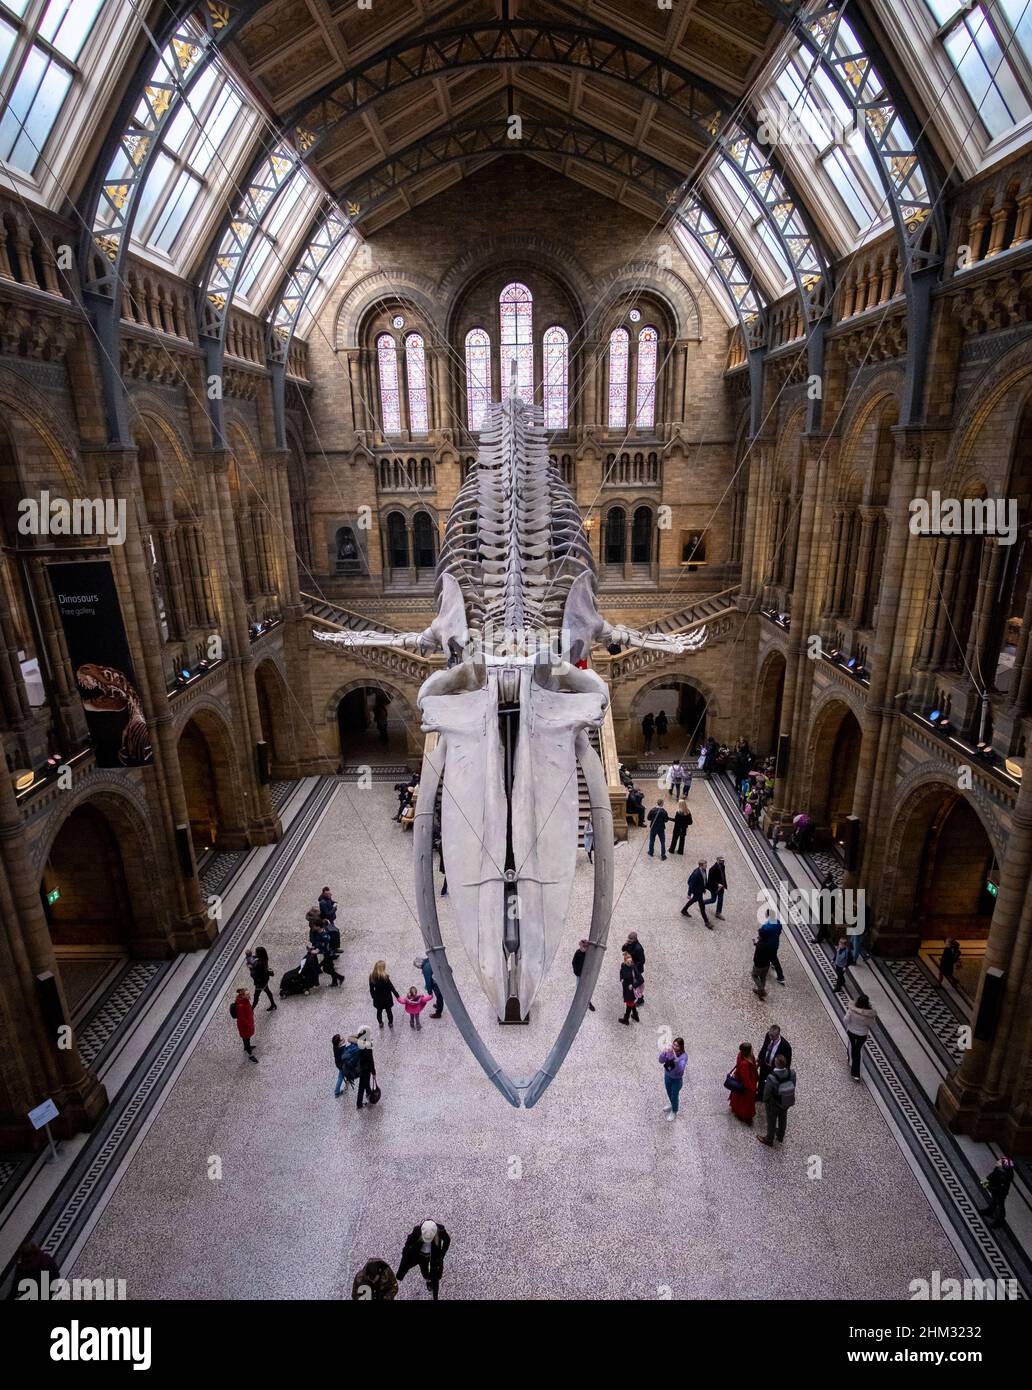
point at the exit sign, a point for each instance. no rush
(992, 889)
(53, 896)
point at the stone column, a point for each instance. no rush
(70, 716)
(14, 702)
(175, 592)
(117, 477)
(868, 521)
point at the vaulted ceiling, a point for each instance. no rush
(399, 101)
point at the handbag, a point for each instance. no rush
(374, 1095)
(732, 1082)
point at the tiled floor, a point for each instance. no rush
(253, 1182)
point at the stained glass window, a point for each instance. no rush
(556, 392)
(415, 375)
(390, 395)
(516, 305)
(478, 377)
(619, 351)
(648, 349)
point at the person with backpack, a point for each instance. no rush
(676, 777)
(365, 1064)
(857, 1022)
(682, 820)
(673, 1061)
(578, 964)
(778, 1098)
(258, 968)
(242, 1011)
(382, 993)
(657, 828)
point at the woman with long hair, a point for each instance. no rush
(742, 1099)
(673, 1061)
(382, 993)
(858, 1020)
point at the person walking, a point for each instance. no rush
(426, 1246)
(340, 1061)
(415, 1003)
(657, 828)
(258, 968)
(676, 775)
(825, 907)
(327, 965)
(997, 1184)
(382, 993)
(774, 1044)
(241, 1009)
(742, 1099)
(716, 882)
(648, 729)
(760, 966)
(858, 1020)
(840, 961)
(633, 948)
(423, 964)
(578, 964)
(366, 1064)
(629, 985)
(662, 725)
(589, 840)
(327, 906)
(673, 1061)
(948, 959)
(682, 820)
(697, 892)
(771, 933)
(778, 1098)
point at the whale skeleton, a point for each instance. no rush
(512, 711)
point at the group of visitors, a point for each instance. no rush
(407, 793)
(654, 726)
(767, 1078)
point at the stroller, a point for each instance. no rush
(292, 983)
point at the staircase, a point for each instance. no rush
(339, 617)
(695, 613)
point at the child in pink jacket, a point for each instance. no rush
(415, 1003)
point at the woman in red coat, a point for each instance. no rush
(242, 1011)
(743, 1102)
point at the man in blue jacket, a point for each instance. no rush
(771, 933)
(431, 984)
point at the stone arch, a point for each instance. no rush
(405, 717)
(901, 918)
(418, 291)
(632, 702)
(988, 392)
(514, 249)
(276, 718)
(116, 869)
(25, 413)
(832, 759)
(770, 688)
(211, 777)
(648, 278)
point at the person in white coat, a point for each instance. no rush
(858, 1020)
(589, 840)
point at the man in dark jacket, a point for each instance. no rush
(697, 892)
(657, 828)
(770, 932)
(636, 805)
(578, 964)
(426, 1246)
(716, 882)
(998, 1184)
(636, 951)
(773, 1045)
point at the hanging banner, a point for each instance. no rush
(99, 650)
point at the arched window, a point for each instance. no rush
(619, 351)
(397, 541)
(641, 536)
(645, 396)
(390, 396)
(478, 377)
(556, 386)
(415, 379)
(516, 306)
(616, 535)
(423, 541)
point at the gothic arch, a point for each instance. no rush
(649, 278)
(991, 389)
(378, 285)
(507, 250)
(24, 408)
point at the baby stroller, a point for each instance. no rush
(292, 983)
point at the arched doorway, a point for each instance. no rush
(836, 758)
(272, 715)
(685, 708)
(204, 763)
(371, 724)
(768, 709)
(946, 879)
